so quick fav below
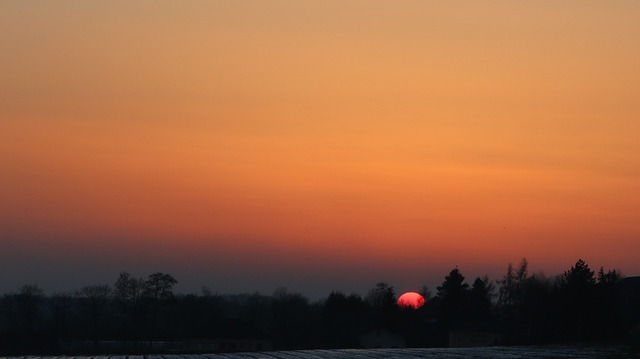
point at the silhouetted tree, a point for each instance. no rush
(628, 290)
(257, 310)
(526, 305)
(94, 299)
(9, 319)
(344, 319)
(291, 319)
(29, 298)
(536, 313)
(381, 297)
(576, 305)
(22, 319)
(382, 301)
(510, 294)
(580, 276)
(452, 293)
(452, 296)
(159, 289)
(453, 286)
(159, 286)
(609, 320)
(129, 298)
(610, 278)
(62, 315)
(507, 284)
(578, 289)
(480, 297)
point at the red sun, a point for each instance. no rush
(411, 300)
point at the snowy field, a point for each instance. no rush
(488, 352)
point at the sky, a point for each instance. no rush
(316, 145)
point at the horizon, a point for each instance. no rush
(316, 146)
(318, 294)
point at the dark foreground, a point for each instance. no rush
(484, 352)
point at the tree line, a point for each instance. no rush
(578, 305)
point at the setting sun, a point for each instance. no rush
(411, 300)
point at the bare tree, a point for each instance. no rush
(61, 312)
(29, 298)
(94, 299)
(129, 293)
(159, 288)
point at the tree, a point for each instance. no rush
(452, 294)
(291, 312)
(609, 279)
(21, 320)
(382, 301)
(129, 295)
(344, 319)
(382, 296)
(94, 299)
(453, 287)
(61, 312)
(579, 276)
(159, 288)
(29, 299)
(609, 317)
(511, 285)
(522, 271)
(128, 290)
(480, 297)
(578, 301)
(507, 285)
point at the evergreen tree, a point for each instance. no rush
(580, 276)
(578, 301)
(452, 293)
(480, 296)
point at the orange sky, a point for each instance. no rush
(299, 141)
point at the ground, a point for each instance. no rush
(476, 353)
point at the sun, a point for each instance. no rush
(411, 300)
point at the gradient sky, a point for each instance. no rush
(316, 145)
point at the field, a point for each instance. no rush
(485, 352)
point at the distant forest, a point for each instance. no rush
(142, 315)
